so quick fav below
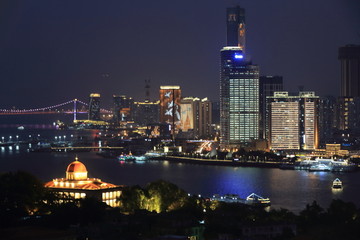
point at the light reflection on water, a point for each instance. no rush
(286, 188)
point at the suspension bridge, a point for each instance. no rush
(54, 109)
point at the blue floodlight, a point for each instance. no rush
(238, 56)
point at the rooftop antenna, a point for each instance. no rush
(147, 89)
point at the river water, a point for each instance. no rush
(290, 189)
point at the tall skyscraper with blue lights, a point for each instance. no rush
(239, 99)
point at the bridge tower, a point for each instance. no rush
(75, 109)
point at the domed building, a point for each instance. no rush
(77, 185)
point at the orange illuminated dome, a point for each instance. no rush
(76, 171)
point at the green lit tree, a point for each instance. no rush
(165, 196)
(133, 198)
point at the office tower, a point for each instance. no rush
(239, 98)
(146, 112)
(349, 100)
(267, 86)
(170, 106)
(293, 121)
(123, 107)
(349, 57)
(327, 119)
(196, 117)
(235, 22)
(94, 107)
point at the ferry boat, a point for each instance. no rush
(337, 184)
(229, 198)
(254, 199)
(126, 158)
(320, 167)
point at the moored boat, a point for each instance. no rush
(126, 158)
(337, 184)
(254, 199)
(320, 167)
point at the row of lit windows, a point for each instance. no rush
(110, 195)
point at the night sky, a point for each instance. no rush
(56, 50)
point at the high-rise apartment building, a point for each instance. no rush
(239, 98)
(349, 57)
(293, 121)
(327, 119)
(170, 97)
(235, 23)
(267, 86)
(196, 116)
(94, 107)
(205, 129)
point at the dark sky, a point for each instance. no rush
(55, 50)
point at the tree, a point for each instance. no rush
(21, 194)
(165, 196)
(133, 198)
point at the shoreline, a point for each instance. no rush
(218, 162)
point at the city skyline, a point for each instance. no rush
(61, 50)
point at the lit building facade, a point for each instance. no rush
(76, 185)
(293, 121)
(196, 116)
(239, 98)
(170, 97)
(267, 86)
(94, 107)
(235, 26)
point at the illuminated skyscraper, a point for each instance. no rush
(350, 70)
(293, 121)
(239, 98)
(94, 107)
(235, 22)
(170, 97)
